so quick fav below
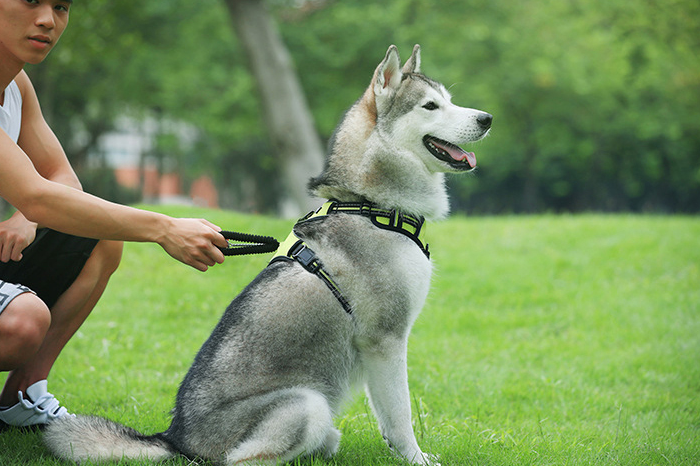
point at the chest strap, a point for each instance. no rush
(294, 249)
(408, 225)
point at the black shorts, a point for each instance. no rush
(49, 265)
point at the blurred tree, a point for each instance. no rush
(288, 119)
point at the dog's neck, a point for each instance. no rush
(426, 195)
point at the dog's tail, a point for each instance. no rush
(83, 438)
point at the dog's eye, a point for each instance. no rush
(430, 106)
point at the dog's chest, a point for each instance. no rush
(383, 274)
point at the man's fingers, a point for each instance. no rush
(209, 224)
(217, 255)
(207, 255)
(17, 252)
(199, 266)
(195, 242)
(12, 251)
(218, 238)
(207, 261)
(5, 253)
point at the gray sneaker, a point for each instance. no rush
(38, 408)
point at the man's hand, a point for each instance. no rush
(194, 242)
(16, 233)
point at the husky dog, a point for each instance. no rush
(333, 310)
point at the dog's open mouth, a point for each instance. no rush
(450, 153)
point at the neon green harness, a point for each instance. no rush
(293, 248)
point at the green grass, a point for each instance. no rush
(547, 340)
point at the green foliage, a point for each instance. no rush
(568, 340)
(596, 103)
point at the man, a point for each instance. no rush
(51, 281)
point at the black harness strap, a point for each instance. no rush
(294, 249)
(308, 259)
(408, 225)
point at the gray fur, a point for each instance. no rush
(276, 369)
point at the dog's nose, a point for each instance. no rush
(484, 119)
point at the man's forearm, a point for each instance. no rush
(20, 216)
(66, 209)
(65, 177)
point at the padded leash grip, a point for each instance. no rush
(241, 244)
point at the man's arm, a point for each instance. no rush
(72, 211)
(44, 150)
(39, 142)
(44, 188)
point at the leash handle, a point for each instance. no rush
(241, 244)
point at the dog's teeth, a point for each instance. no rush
(436, 148)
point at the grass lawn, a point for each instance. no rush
(546, 340)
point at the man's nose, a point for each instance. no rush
(45, 17)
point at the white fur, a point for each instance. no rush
(98, 440)
(269, 444)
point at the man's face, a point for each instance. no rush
(29, 29)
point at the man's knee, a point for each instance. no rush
(107, 255)
(23, 327)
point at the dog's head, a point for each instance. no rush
(394, 144)
(417, 113)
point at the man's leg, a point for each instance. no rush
(67, 315)
(23, 326)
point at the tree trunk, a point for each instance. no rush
(296, 143)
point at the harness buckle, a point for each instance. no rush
(307, 258)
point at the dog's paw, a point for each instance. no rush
(427, 459)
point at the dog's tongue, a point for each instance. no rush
(471, 158)
(458, 154)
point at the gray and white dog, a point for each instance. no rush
(333, 310)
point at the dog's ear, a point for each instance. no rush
(387, 76)
(413, 63)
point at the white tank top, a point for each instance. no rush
(11, 111)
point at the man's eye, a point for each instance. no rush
(430, 106)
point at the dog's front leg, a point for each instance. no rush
(387, 388)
